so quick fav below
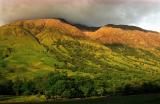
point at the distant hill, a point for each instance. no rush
(127, 27)
(60, 59)
(128, 35)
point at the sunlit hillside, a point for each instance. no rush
(127, 35)
(56, 59)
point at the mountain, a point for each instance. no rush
(128, 35)
(57, 58)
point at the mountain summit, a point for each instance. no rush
(120, 34)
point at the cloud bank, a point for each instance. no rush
(88, 12)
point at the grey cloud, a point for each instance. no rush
(88, 12)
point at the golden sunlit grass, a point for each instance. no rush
(134, 38)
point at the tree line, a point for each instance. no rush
(60, 85)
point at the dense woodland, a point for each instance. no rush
(59, 85)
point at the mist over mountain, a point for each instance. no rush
(93, 13)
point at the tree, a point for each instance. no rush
(99, 86)
(85, 85)
(55, 84)
(40, 83)
(58, 88)
(28, 87)
(67, 93)
(17, 86)
(6, 87)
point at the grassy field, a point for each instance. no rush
(134, 99)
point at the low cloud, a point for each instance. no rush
(87, 12)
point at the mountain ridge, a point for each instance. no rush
(81, 26)
(108, 34)
(94, 28)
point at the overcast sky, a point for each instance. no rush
(143, 13)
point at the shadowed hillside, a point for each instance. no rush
(86, 28)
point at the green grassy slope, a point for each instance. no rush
(27, 54)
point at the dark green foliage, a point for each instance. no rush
(6, 87)
(146, 87)
(123, 49)
(28, 88)
(85, 85)
(59, 85)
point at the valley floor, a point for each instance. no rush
(132, 99)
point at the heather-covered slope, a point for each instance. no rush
(128, 35)
(40, 25)
(103, 63)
